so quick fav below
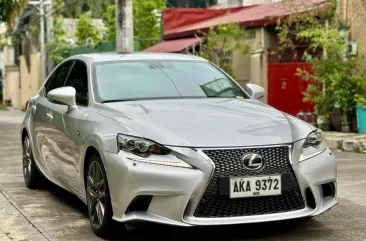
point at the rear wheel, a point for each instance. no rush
(98, 198)
(31, 175)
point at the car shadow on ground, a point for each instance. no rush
(64, 196)
(144, 231)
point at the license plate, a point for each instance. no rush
(255, 186)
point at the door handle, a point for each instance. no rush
(49, 116)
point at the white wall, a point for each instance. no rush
(236, 3)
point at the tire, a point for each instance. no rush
(31, 174)
(98, 198)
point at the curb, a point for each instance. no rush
(346, 142)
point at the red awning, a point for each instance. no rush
(174, 46)
(184, 22)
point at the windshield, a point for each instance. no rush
(119, 81)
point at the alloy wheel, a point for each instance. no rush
(27, 159)
(95, 187)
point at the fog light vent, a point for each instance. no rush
(328, 189)
(310, 200)
(140, 203)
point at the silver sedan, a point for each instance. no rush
(172, 139)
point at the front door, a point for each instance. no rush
(50, 136)
(66, 137)
(38, 106)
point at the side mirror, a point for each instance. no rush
(64, 95)
(255, 91)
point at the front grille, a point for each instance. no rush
(228, 164)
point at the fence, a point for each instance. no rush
(109, 46)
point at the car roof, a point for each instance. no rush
(114, 56)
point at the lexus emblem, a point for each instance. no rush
(253, 161)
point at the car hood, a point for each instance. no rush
(208, 122)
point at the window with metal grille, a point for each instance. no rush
(190, 3)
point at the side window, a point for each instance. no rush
(58, 78)
(78, 78)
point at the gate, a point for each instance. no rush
(285, 88)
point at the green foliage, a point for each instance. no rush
(85, 29)
(336, 79)
(335, 82)
(34, 24)
(224, 39)
(300, 21)
(109, 19)
(7, 9)
(59, 44)
(146, 25)
(2, 107)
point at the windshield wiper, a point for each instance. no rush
(117, 100)
(137, 99)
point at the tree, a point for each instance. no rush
(146, 24)
(337, 79)
(85, 29)
(7, 10)
(109, 19)
(59, 44)
(222, 41)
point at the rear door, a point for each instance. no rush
(65, 125)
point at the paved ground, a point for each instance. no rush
(53, 214)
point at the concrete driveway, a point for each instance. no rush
(50, 213)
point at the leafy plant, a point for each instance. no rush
(146, 24)
(2, 107)
(85, 29)
(7, 10)
(59, 44)
(336, 78)
(222, 41)
(109, 19)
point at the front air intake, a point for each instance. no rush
(140, 203)
(328, 189)
(310, 200)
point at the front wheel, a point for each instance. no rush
(98, 198)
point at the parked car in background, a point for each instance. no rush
(172, 139)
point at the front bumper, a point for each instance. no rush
(176, 192)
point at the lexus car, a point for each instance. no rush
(172, 139)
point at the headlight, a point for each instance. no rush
(143, 150)
(313, 145)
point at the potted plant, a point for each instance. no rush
(349, 89)
(319, 96)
